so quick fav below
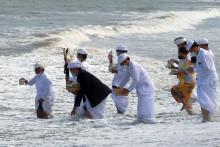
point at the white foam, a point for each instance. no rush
(17, 103)
(162, 22)
(148, 23)
(137, 23)
(71, 38)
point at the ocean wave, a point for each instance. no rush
(148, 23)
(136, 23)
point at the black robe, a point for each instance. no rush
(92, 88)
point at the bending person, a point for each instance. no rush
(144, 88)
(120, 73)
(92, 89)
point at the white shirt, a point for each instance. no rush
(120, 78)
(184, 64)
(140, 79)
(205, 68)
(43, 86)
(85, 66)
(212, 54)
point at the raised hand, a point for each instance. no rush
(110, 57)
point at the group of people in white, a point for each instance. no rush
(91, 94)
(195, 58)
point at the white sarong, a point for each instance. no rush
(121, 102)
(145, 108)
(207, 96)
(47, 106)
(97, 112)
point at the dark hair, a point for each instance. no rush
(194, 45)
(183, 50)
(121, 51)
(82, 55)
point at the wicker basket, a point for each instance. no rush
(118, 92)
(73, 87)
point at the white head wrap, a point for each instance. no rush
(122, 57)
(74, 64)
(39, 65)
(179, 40)
(203, 41)
(121, 48)
(189, 44)
(82, 52)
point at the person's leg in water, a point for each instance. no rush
(205, 115)
(87, 113)
(181, 96)
(187, 106)
(121, 103)
(177, 95)
(188, 90)
(40, 111)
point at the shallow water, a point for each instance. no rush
(36, 30)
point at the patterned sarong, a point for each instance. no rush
(183, 92)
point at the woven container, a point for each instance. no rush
(118, 92)
(22, 82)
(73, 87)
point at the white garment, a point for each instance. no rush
(145, 109)
(120, 76)
(207, 78)
(47, 106)
(80, 110)
(140, 79)
(205, 68)
(121, 48)
(122, 57)
(179, 40)
(85, 66)
(73, 78)
(82, 51)
(121, 102)
(184, 64)
(39, 65)
(212, 54)
(97, 112)
(207, 96)
(74, 64)
(44, 91)
(144, 88)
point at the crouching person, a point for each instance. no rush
(182, 92)
(92, 89)
(45, 93)
(119, 81)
